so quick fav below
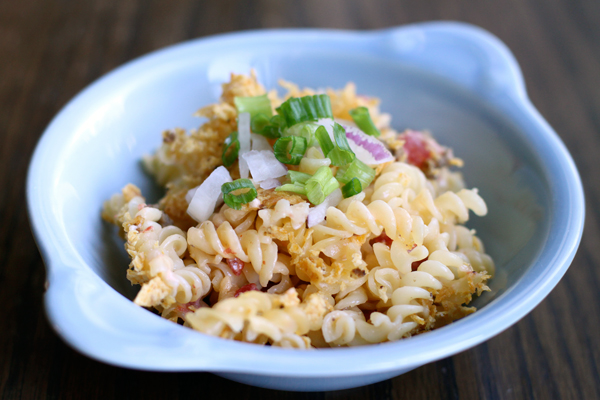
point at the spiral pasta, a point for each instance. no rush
(313, 160)
(158, 258)
(280, 318)
(210, 245)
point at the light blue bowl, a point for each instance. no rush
(456, 80)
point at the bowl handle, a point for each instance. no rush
(99, 322)
(463, 53)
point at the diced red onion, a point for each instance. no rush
(368, 149)
(317, 214)
(244, 139)
(263, 165)
(206, 196)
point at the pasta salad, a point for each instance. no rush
(304, 222)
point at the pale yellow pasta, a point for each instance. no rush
(157, 258)
(241, 220)
(339, 326)
(383, 281)
(352, 299)
(283, 211)
(398, 256)
(313, 160)
(257, 314)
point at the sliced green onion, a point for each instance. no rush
(262, 125)
(340, 157)
(292, 187)
(243, 196)
(320, 185)
(259, 122)
(308, 108)
(324, 140)
(298, 180)
(339, 134)
(290, 149)
(356, 169)
(305, 130)
(351, 188)
(363, 120)
(342, 154)
(254, 105)
(298, 177)
(231, 149)
(277, 120)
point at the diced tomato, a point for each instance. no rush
(185, 308)
(236, 265)
(416, 149)
(246, 288)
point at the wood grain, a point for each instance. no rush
(50, 50)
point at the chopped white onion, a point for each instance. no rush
(270, 183)
(263, 165)
(260, 142)
(244, 139)
(328, 124)
(190, 194)
(206, 196)
(317, 214)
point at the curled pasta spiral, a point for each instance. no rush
(375, 218)
(400, 319)
(352, 299)
(157, 259)
(313, 160)
(383, 281)
(241, 220)
(211, 245)
(349, 327)
(256, 315)
(282, 211)
(403, 185)
(398, 256)
(339, 326)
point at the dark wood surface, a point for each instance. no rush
(50, 50)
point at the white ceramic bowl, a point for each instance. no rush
(456, 80)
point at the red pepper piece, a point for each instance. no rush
(236, 265)
(246, 288)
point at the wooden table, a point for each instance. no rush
(49, 51)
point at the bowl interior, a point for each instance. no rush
(105, 150)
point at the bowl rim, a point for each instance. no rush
(190, 351)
